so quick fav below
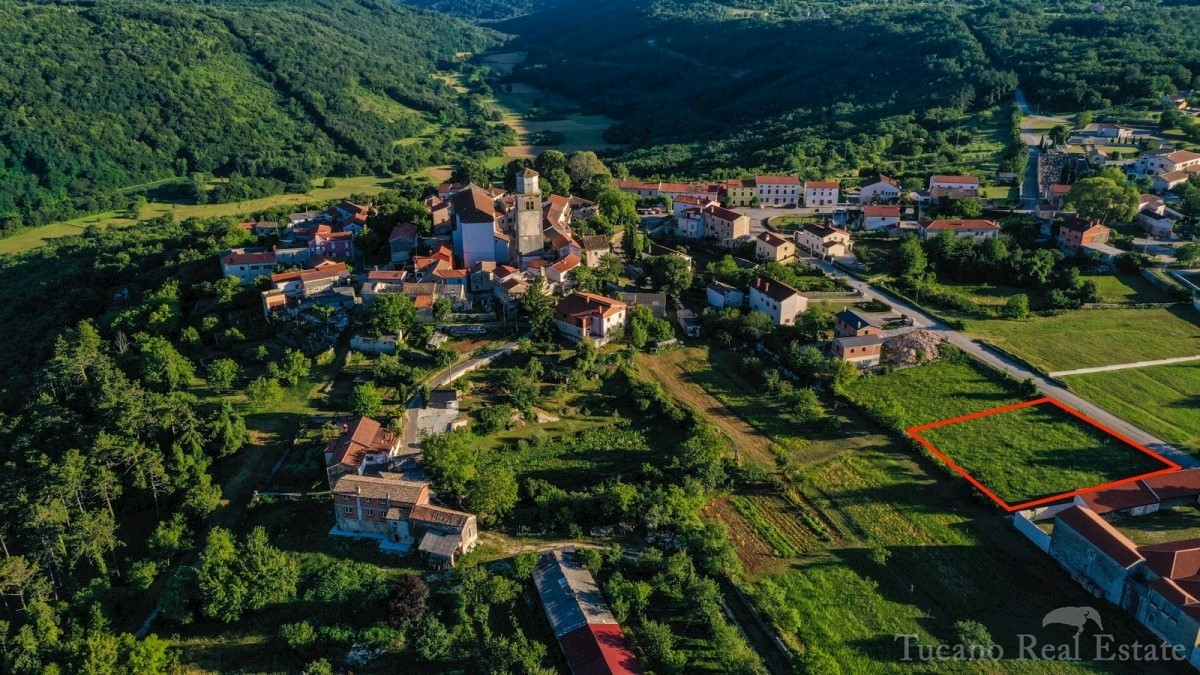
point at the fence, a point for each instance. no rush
(1035, 534)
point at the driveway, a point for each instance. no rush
(1017, 370)
(418, 419)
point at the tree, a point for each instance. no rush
(451, 458)
(672, 274)
(365, 400)
(585, 170)
(222, 591)
(1017, 306)
(911, 262)
(975, 637)
(227, 429)
(430, 640)
(658, 643)
(299, 636)
(389, 314)
(963, 207)
(162, 366)
(264, 392)
(536, 307)
(269, 574)
(472, 171)
(492, 493)
(1108, 197)
(293, 368)
(633, 242)
(441, 309)
(406, 600)
(619, 208)
(222, 373)
(1188, 253)
(551, 166)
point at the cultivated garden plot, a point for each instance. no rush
(1036, 452)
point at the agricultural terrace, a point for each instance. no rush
(858, 537)
(1034, 451)
(1163, 400)
(1099, 337)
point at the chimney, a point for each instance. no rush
(345, 427)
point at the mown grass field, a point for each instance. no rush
(1037, 451)
(1099, 337)
(870, 540)
(1127, 288)
(344, 187)
(930, 393)
(1163, 400)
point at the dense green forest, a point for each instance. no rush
(701, 88)
(100, 96)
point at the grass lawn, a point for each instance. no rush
(793, 223)
(1037, 451)
(1097, 337)
(925, 394)
(1163, 400)
(1127, 288)
(1162, 526)
(344, 187)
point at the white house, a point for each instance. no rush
(722, 295)
(474, 215)
(954, 184)
(975, 229)
(880, 216)
(824, 241)
(588, 316)
(777, 190)
(880, 190)
(777, 300)
(771, 246)
(247, 264)
(821, 193)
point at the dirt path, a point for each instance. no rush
(1125, 366)
(667, 370)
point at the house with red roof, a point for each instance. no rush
(557, 272)
(777, 300)
(879, 190)
(403, 241)
(585, 628)
(740, 192)
(1094, 552)
(880, 216)
(818, 193)
(824, 240)
(771, 246)
(1076, 234)
(247, 264)
(976, 229)
(960, 184)
(589, 316)
(728, 227)
(778, 190)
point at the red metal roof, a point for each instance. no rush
(1119, 498)
(599, 649)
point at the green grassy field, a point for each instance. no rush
(1163, 400)
(869, 540)
(1037, 451)
(1100, 337)
(1127, 288)
(344, 187)
(930, 393)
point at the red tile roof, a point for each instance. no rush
(1176, 485)
(567, 264)
(1176, 559)
(723, 213)
(404, 231)
(776, 180)
(361, 436)
(772, 239)
(1119, 498)
(883, 179)
(959, 225)
(583, 305)
(880, 211)
(961, 180)
(1101, 534)
(776, 290)
(821, 184)
(248, 258)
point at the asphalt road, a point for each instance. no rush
(1017, 370)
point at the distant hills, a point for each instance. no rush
(99, 96)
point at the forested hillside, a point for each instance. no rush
(100, 96)
(819, 88)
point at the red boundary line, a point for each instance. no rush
(915, 432)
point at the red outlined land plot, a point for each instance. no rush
(916, 433)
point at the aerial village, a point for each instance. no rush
(489, 247)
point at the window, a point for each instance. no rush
(348, 509)
(370, 512)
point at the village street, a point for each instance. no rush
(1014, 368)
